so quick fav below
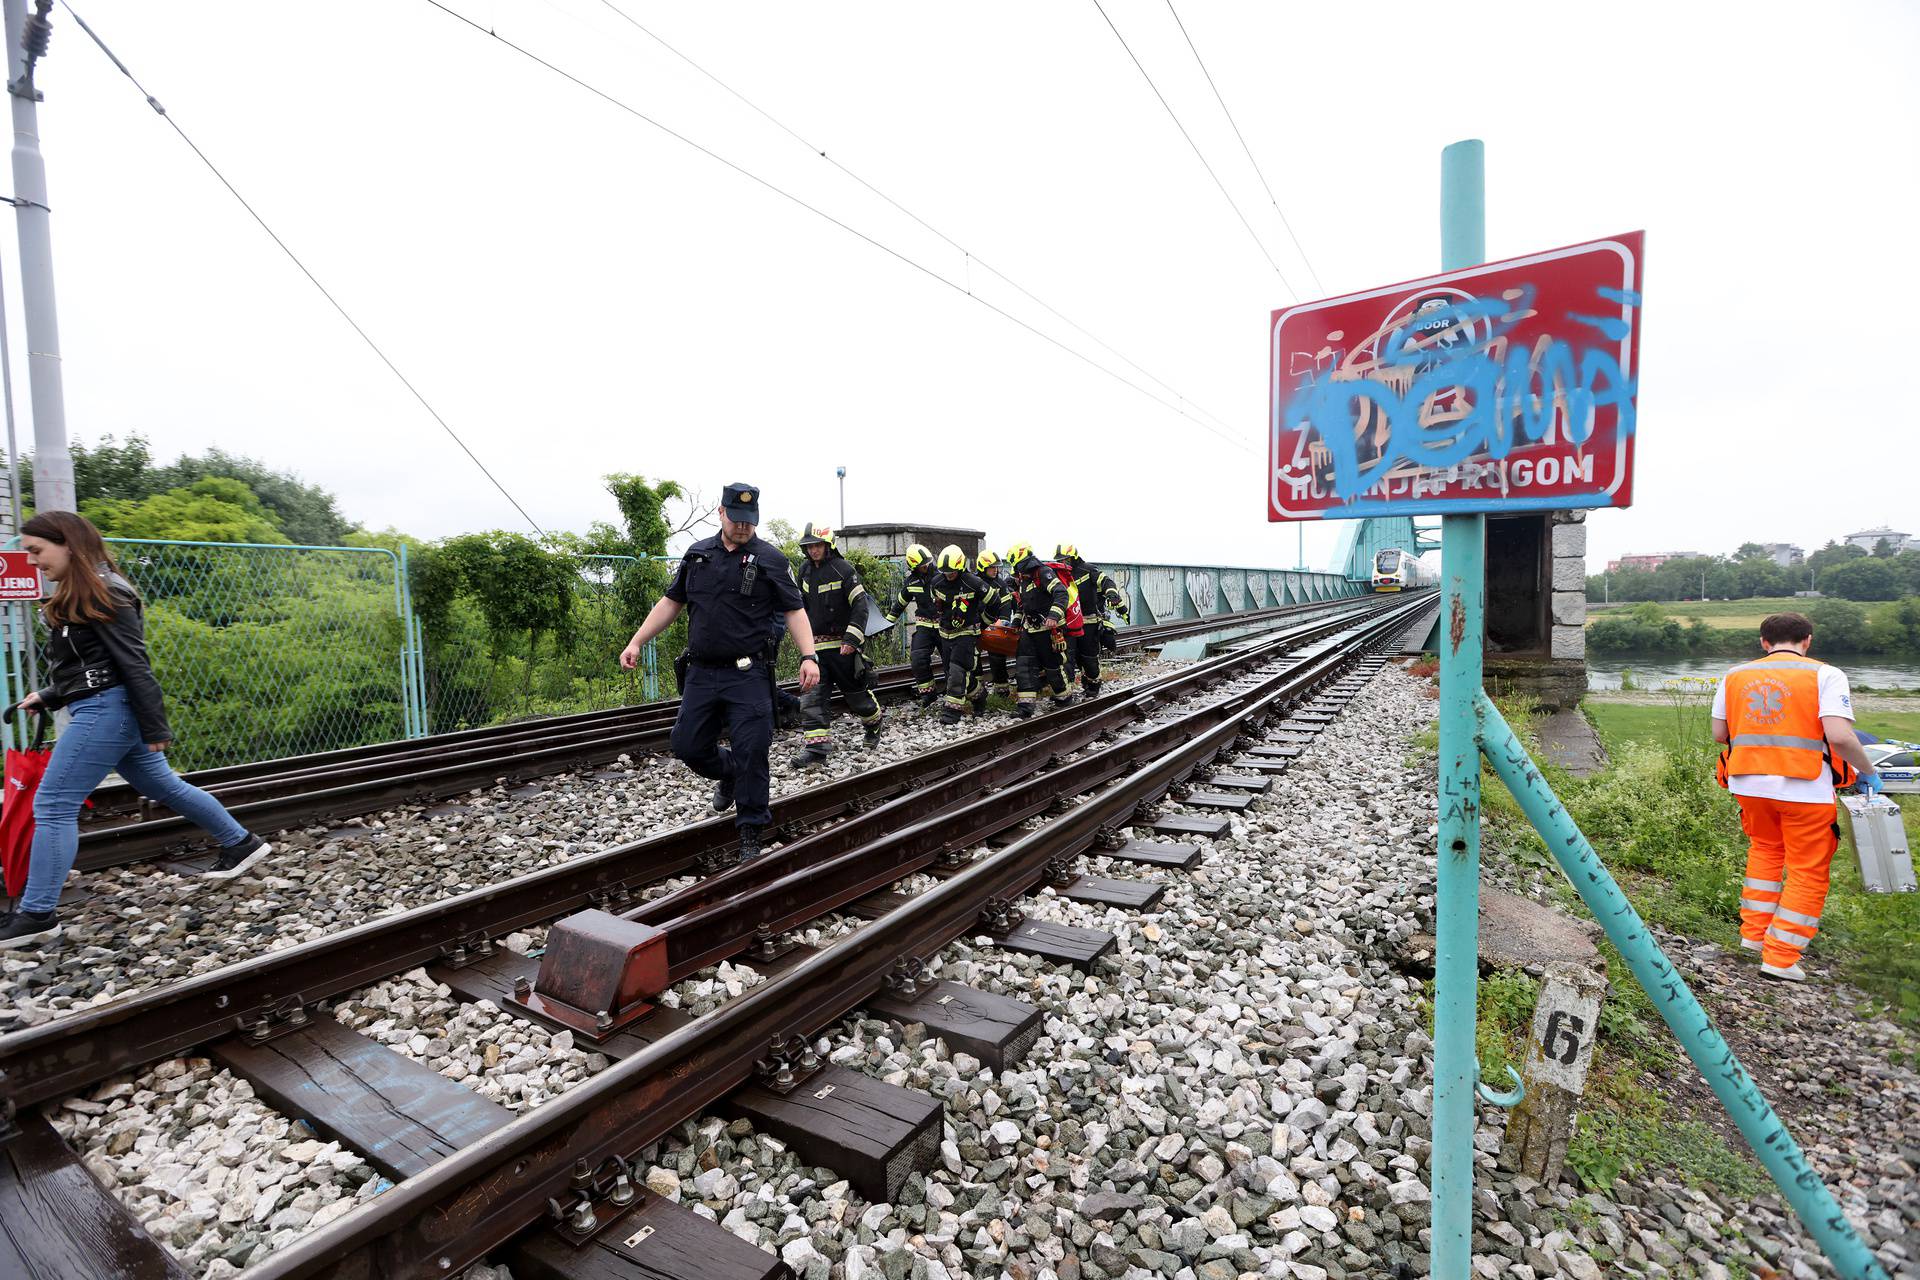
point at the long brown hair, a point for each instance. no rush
(82, 595)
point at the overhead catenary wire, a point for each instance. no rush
(1300, 248)
(1198, 154)
(882, 246)
(312, 279)
(970, 258)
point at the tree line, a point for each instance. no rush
(1837, 569)
(271, 652)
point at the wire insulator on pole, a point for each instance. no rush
(36, 33)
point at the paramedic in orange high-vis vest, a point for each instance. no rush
(1787, 720)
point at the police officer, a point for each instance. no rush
(731, 584)
(954, 599)
(926, 632)
(1041, 610)
(996, 607)
(837, 605)
(1083, 651)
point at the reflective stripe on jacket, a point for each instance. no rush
(1773, 717)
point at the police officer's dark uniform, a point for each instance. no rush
(1042, 599)
(729, 595)
(925, 640)
(836, 604)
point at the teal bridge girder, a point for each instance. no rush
(1361, 540)
(1171, 592)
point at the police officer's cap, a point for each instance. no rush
(741, 502)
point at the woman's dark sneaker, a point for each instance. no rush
(237, 858)
(29, 929)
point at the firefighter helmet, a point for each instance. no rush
(952, 559)
(1017, 552)
(917, 555)
(817, 535)
(988, 558)
(1066, 551)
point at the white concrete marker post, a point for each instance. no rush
(1566, 1022)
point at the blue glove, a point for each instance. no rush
(1868, 784)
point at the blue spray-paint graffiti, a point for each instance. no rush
(1445, 385)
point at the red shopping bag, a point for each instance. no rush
(23, 772)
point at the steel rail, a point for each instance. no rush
(121, 798)
(363, 780)
(706, 923)
(488, 1192)
(70, 1053)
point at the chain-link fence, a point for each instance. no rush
(268, 650)
(263, 650)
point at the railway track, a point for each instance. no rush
(121, 826)
(473, 1177)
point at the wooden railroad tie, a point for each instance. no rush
(1155, 853)
(1183, 824)
(656, 1240)
(996, 1029)
(61, 1222)
(871, 1133)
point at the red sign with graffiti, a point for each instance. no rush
(1505, 387)
(19, 580)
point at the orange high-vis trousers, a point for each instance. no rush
(1789, 854)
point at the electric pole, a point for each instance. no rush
(52, 464)
(841, 474)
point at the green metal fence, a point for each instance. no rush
(270, 650)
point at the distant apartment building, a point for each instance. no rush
(1648, 563)
(1784, 554)
(1868, 539)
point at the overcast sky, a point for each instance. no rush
(577, 292)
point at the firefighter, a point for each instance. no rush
(955, 599)
(1082, 653)
(1787, 722)
(1114, 602)
(998, 607)
(1041, 614)
(926, 632)
(836, 605)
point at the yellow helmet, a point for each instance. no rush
(1066, 551)
(988, 559)
(952, 559)
(817, 534)
(1017, 552)
(917, 555)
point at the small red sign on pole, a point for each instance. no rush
(1505, 387)
(19, 580)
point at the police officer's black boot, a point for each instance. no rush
(723, 794)
(749, 844)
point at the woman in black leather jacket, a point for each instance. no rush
(97, 659)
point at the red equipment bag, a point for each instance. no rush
(23, 772)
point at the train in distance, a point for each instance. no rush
(1398, 570)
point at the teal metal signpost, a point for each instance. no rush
(1469, 726)
(1508, 386)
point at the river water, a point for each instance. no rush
(1650, 670)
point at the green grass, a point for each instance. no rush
(1717, 613)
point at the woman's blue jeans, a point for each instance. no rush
(104, 736)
